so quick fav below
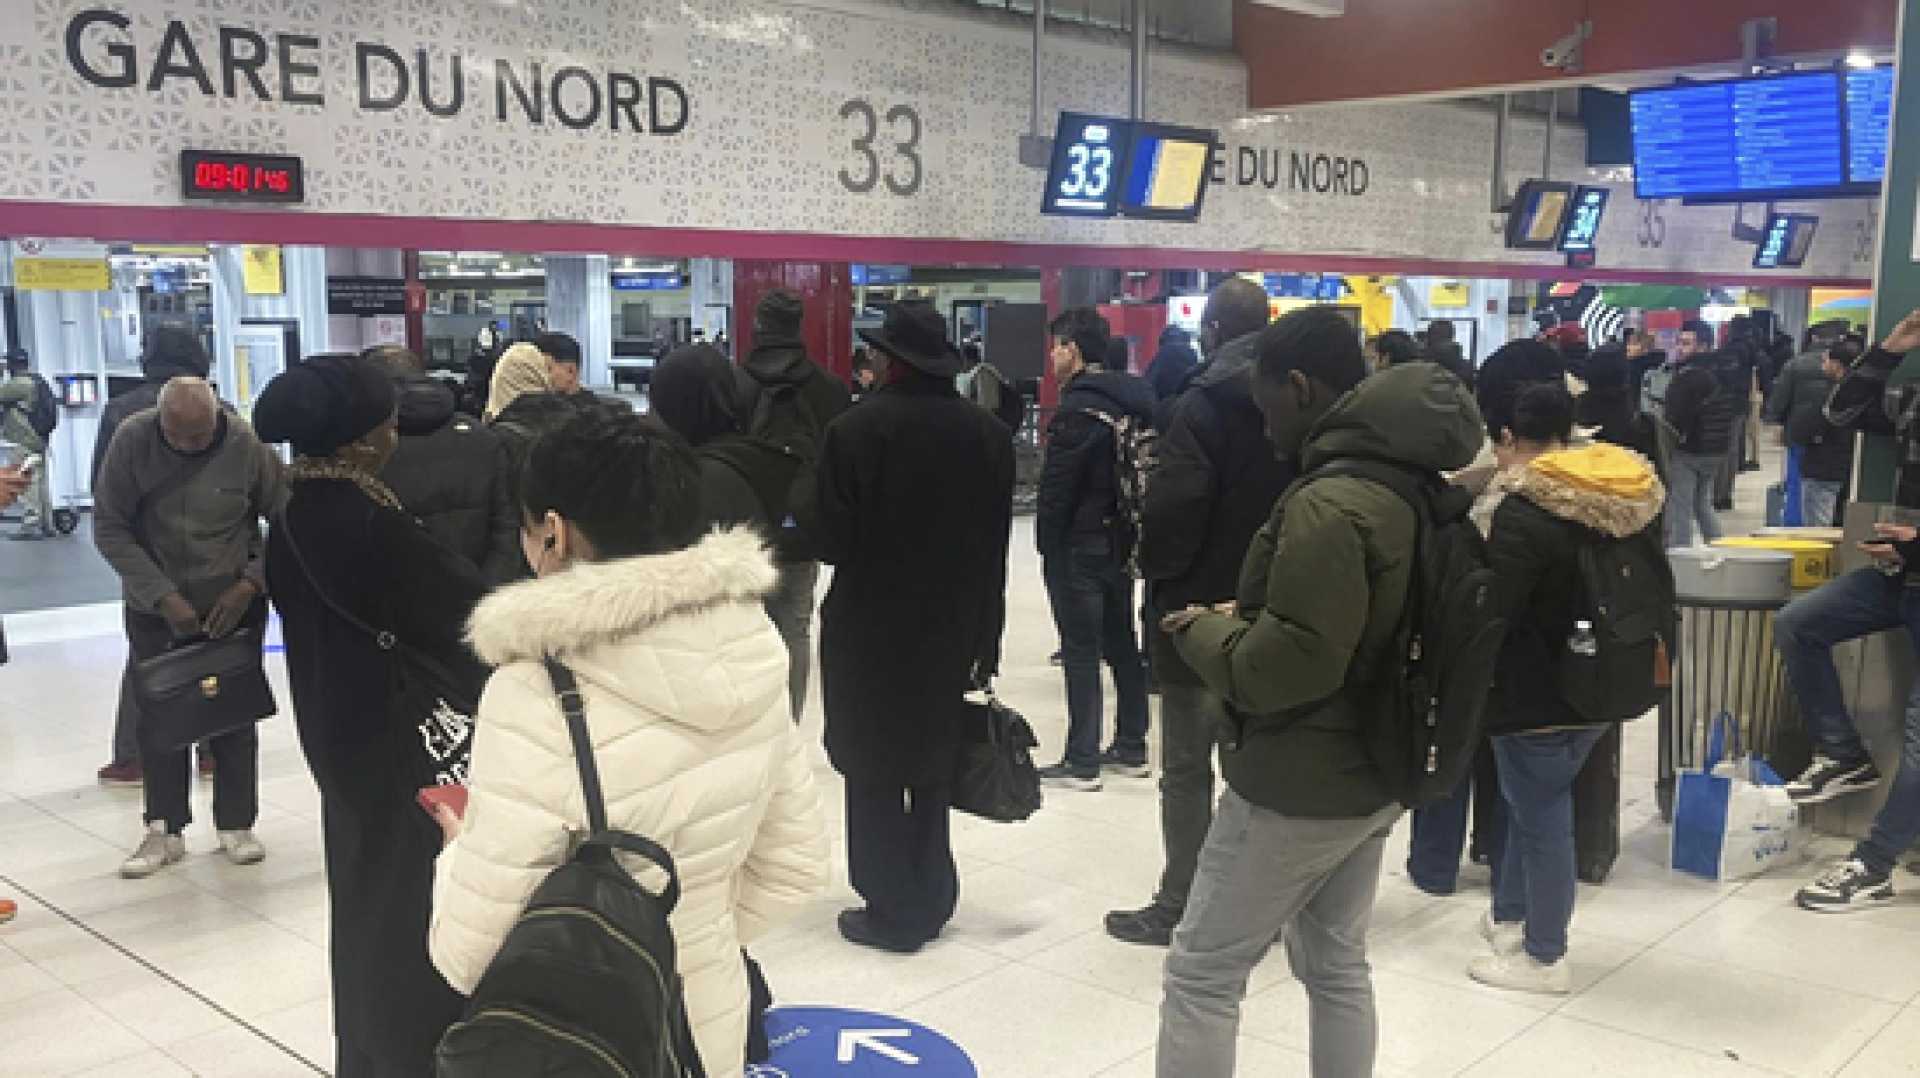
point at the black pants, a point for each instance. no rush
(900, 857)
(169, 771)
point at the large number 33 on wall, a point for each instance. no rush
(903, 124)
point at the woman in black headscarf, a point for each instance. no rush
(384, 690)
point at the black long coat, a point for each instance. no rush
(389, 1003)
(914, 502)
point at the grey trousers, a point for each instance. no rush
(790, 608)
(1191, 720)
(1261, 873)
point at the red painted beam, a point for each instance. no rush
(187, 224)
(1403, 48)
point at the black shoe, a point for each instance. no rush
(1150, 927)
(1845, 888)
(1125, 763)
(1723, 507)
(1826, 779)
(1066, 777)
(858, 927)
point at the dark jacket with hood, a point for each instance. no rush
(1799, 402)
(1449, 355)
(169, 355)
(1536, 523)
(1701, 407)
(1078, 499)
(531, 415)
(1215, 483)
(1172, 365)
(781, 361)
(1322, 594)
(1865, 401)
(451, 473)
(913, 508)
(698, 392)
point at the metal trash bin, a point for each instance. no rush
(1725, 661)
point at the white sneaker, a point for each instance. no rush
(242, 848)
(1521, 972)
(1505, 937)
(157, 851)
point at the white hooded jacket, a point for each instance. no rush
(685, 685)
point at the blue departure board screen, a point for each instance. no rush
(1740, 138)
(1869, 122)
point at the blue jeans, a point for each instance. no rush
(1690, 498)
(1440, 829)
(1819, 499)
(1536, 880)
(1092, 599)
(1864, 602)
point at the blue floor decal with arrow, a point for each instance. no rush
(815, 1042)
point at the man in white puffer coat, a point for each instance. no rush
(685, 684)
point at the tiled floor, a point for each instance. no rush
(1674, 976)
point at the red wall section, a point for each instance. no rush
(1397, 48)
(825, 288)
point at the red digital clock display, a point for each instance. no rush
(241, 177)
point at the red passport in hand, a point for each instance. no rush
(454, 797)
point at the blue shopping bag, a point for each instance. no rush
(1732, 817)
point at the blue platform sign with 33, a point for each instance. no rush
(817, 1042)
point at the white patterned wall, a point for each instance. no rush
(765, 142)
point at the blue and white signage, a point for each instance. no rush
(819, 1042)
(1089, 153)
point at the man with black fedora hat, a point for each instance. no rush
(914, 503)
(792, 401)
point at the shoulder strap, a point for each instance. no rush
(1410, 486)
(574, 706)
(571, 702)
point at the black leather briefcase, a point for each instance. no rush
(203, 688)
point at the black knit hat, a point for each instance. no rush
(778, 314)
(325, 402)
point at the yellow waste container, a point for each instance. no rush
(1814, 560)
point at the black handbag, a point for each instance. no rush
(203, 688)
(995, 777)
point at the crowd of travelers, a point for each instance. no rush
(596, 627)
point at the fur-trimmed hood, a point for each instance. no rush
(601, 603)
(1607, 488)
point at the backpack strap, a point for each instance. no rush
(1412, 487)
(574, 706)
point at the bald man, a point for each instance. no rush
(177, 511)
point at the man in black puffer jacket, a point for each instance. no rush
(1702, 409)
(1085, 544)
(1799, 403)
(1214, 485)
(450, 471)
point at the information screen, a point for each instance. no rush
(1089, 163)
(241, 177)
(1583, 224)
(1539, 215)
(1740, 138)
(1869, 123)
(1167, 172)
(1788, 238)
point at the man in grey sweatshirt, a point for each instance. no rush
(177, 511)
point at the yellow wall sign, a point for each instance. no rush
(61, 275)
(261, 266)
(1449, 294)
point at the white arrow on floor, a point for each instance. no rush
(852, 1040)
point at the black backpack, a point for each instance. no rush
(1614, 671)
(43, 411)
(585, 984)
(781, 420)
(1423, 711)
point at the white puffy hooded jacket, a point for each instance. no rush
(685, 684)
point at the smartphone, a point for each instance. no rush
(454, 797)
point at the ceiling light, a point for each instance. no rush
(1859, 60)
